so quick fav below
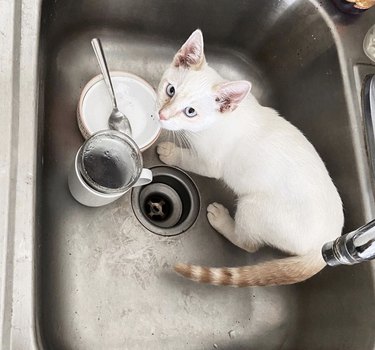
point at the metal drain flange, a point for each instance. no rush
(169, 205)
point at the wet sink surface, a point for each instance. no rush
(103, 280)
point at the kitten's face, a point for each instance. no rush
(185, 100)
(189, 95)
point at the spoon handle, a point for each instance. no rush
(98, 49)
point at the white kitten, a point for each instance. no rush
(286, 198)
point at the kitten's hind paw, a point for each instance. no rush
(168, 153)
(219, 218)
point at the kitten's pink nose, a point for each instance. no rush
(162, 116)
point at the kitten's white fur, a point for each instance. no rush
(286, 198)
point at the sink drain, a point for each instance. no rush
(161, 204)
(169, 205)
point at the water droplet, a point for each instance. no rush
(232, 334)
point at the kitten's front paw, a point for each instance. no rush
(168, 153)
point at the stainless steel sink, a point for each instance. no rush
(95, 278)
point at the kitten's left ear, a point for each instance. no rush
(191, 54)
(229, 95)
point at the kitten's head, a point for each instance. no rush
(191, 95)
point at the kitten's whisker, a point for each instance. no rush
(186, 141)
(178, 132)
(188, 135)
(180, 145)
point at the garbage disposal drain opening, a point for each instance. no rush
(169, 205)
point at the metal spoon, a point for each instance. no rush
(117, 120)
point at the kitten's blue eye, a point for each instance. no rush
(190, 112)
(170, 90)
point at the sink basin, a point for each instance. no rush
(102, 280)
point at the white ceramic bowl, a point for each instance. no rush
(135, 98)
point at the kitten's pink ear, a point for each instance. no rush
(229, 95)
(191, 54)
